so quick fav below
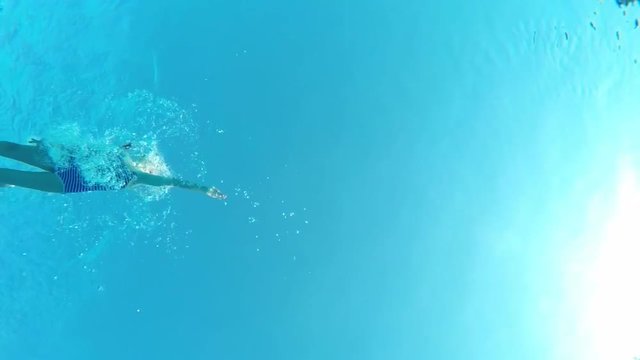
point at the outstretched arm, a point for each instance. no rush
(156, 180)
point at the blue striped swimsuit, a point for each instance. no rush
(74, 182)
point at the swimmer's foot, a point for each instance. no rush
(216, 194)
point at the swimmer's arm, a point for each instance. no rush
(156, 180)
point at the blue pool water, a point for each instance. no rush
(406, 180)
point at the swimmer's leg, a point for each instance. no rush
(43, 181)
(28, 154)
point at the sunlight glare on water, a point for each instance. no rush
(604, 274)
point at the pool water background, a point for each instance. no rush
(406, 181)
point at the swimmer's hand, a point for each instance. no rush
(216, 194)
(36, 142)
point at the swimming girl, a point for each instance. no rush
(68, 177)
